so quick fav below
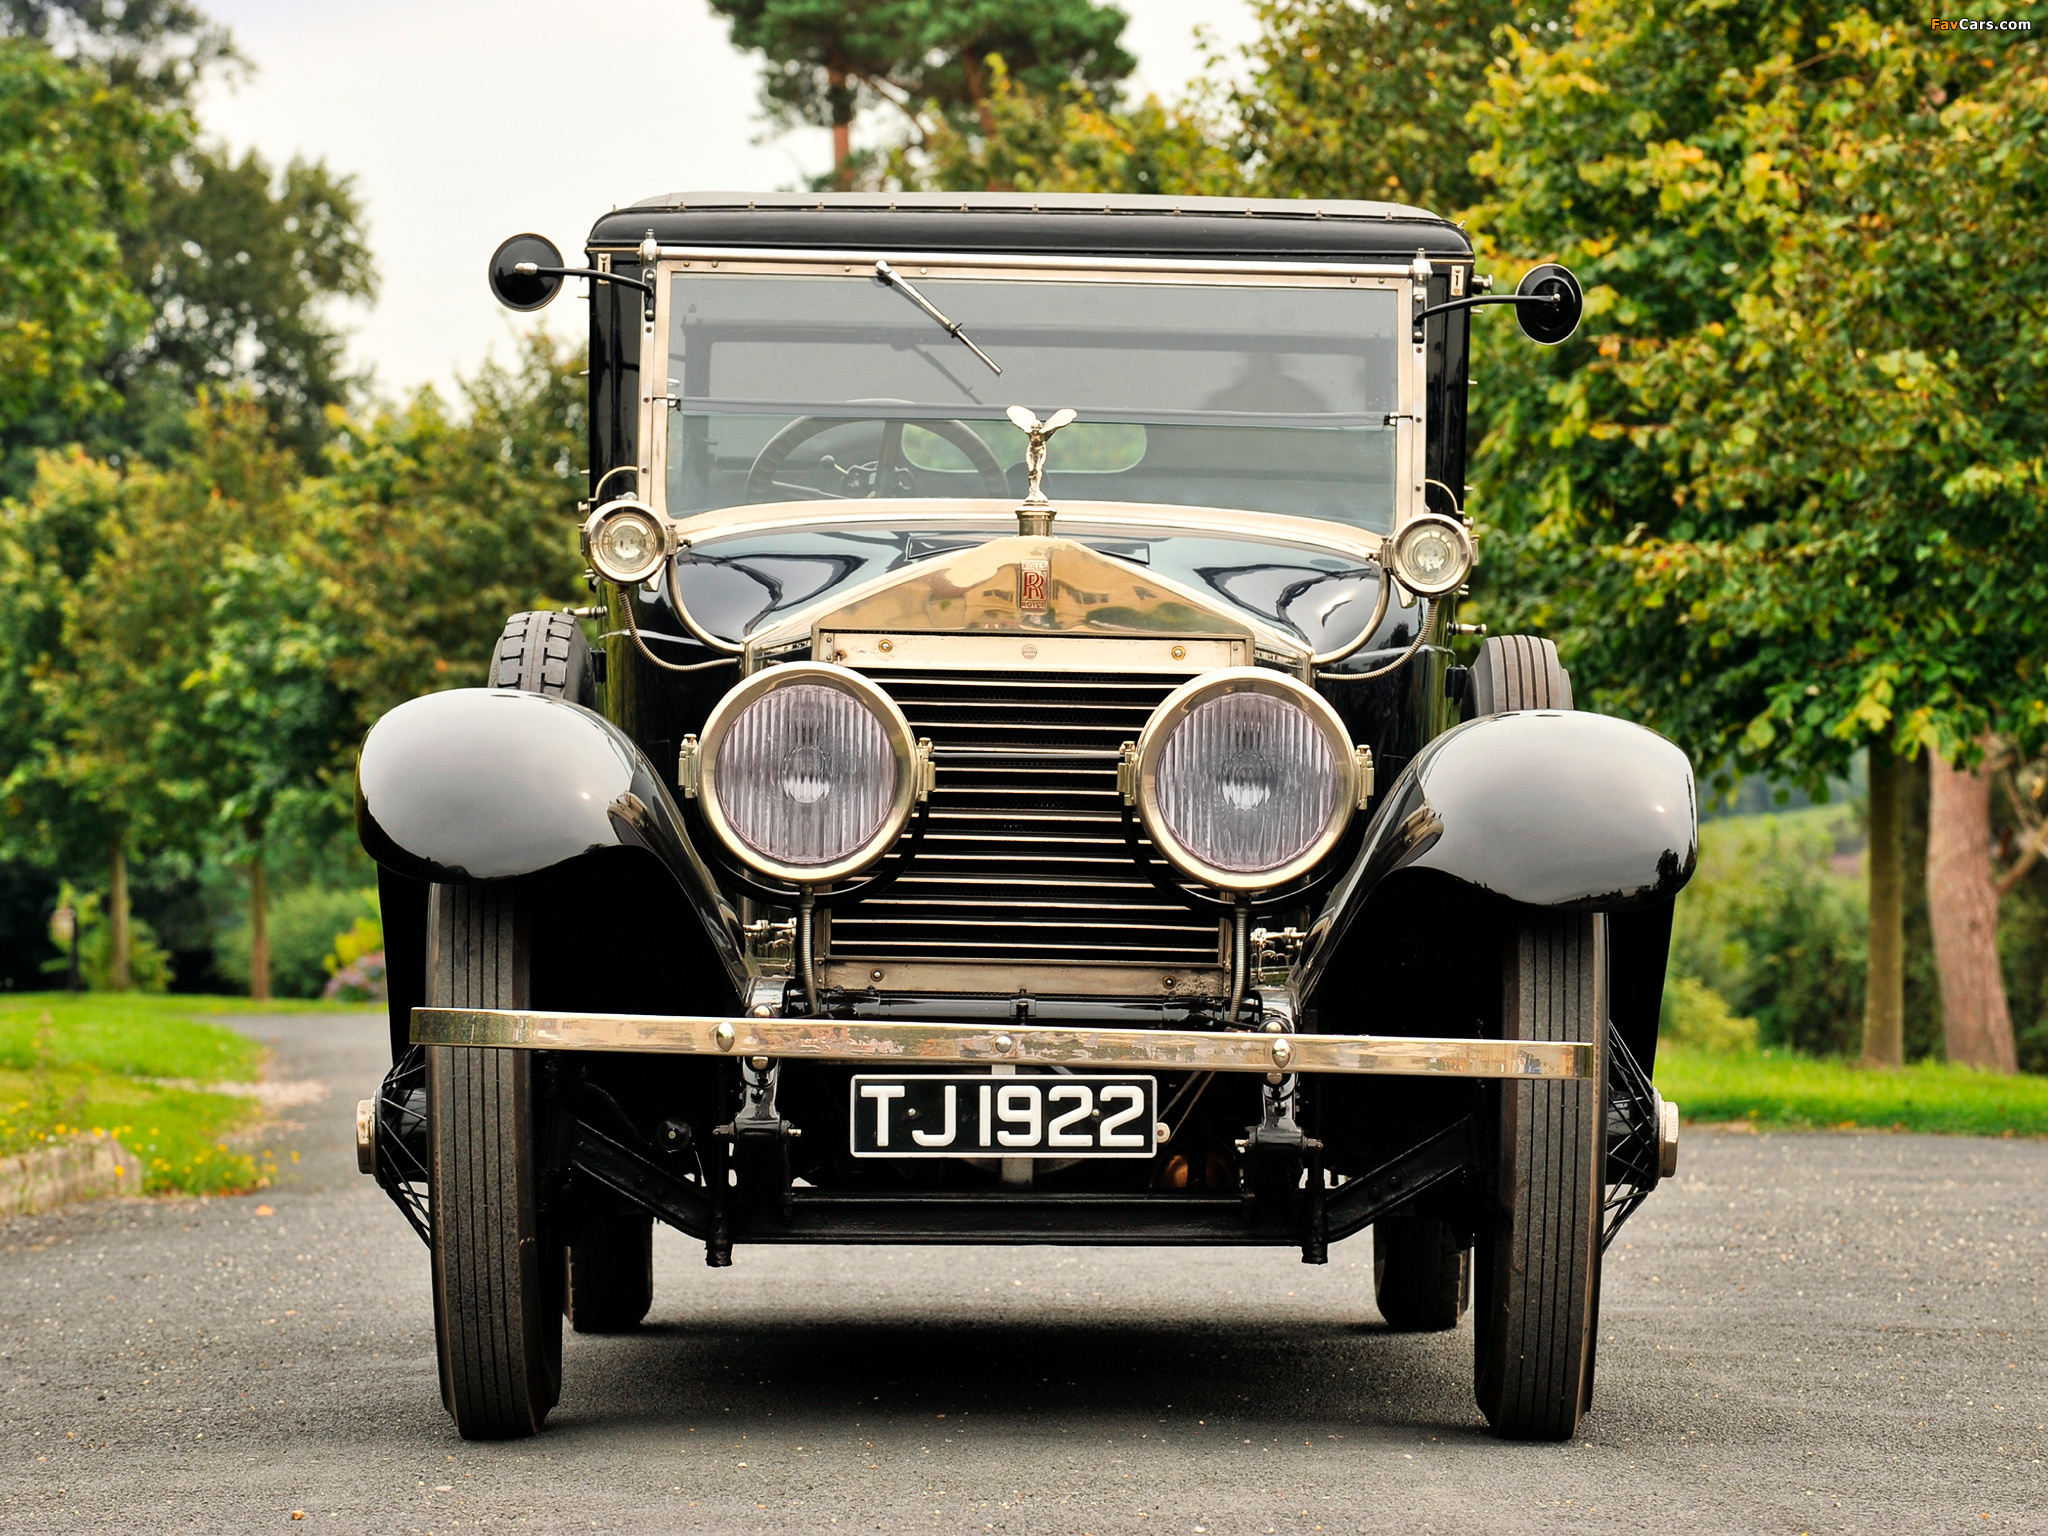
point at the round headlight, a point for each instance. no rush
(1432, 555)
(807, 772)
(1246, 779)
(626, 542)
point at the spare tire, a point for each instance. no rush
(545, 653)
(1516, 672)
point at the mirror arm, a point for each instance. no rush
(532, 269)
(1485, 298)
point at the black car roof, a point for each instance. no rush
(1066, 223)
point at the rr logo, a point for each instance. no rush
(1031, 594)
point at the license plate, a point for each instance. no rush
(983, 1116)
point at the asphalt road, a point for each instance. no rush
(1803, 1333)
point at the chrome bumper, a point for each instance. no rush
(873, 1044)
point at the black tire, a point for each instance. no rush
(1421, 1275)
(610, 1283)
(1517, 672)
(1538, 1261)
(611, 1274)
(545, 653)
(497, 1275)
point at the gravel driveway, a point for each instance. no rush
(1803, 1333)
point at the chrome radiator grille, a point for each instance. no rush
(1024, 862)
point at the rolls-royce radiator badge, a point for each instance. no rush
(1035, 516)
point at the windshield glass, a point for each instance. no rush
(800, 387)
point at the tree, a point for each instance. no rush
(186, 702)
(157, 50)
(240, 265)
(827, 59)
(1338, 100)
(1793, 507)
(1781, 498)
(61, 807)
(75, 155)
(192, 651)
(1344, 100)
(138, 265)
(1070, 140)
(432, 528)
(1966, 889)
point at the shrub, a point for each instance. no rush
(1770, 926)
(149, 965)
(303, 927)
(1699, 1018)
(355, 969)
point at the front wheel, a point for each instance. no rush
(1538, 1258)
(497, 1273)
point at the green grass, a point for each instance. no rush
(86, 1063)
(1780, 1089)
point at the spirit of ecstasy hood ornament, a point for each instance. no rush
(1036, 515)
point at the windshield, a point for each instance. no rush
(799, 387)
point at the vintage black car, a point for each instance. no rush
(1015, 784)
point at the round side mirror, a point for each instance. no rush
(525, 290)
(1553, 322)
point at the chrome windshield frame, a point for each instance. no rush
(1411, 383)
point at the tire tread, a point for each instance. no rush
(545, 653)
(1534, 1339)
(1518, 672)
(497, 1316)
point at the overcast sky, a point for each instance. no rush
(464, 121)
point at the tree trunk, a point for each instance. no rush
(120, 973)
(259, 930)
(837, 92)
(1962, 908)
(1884, 1003)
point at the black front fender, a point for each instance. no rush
(1545, 808)
(492, 784)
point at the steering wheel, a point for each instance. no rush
(762, 484)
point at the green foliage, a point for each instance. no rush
(45, 1110)
(1071, 140)
(355, 968)
(365, 937)
(240, 265)
(1769, 927)
(183, 694)
(1697, 1018)
(1345, 100)
(123, 1066)
(133, 1035)
(138, 265)
(1775, 498)
(75, 154)
(304, 925)
(149, 968)
(193, 650)
(157, 49)
(1776, 1088)
(432, 527)
(2023, 947)
(181, 1135)
(829, 58)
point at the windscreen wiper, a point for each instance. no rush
(889, 275)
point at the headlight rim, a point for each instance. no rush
(1460, 535)
(1175, 707)
(902, 747)
(665, 540)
